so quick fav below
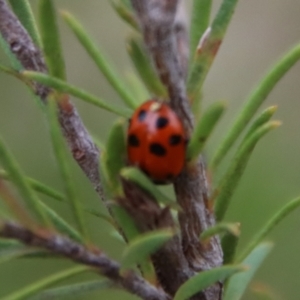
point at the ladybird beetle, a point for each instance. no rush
(156, 141)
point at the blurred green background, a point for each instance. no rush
(260, 32)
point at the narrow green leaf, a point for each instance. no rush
(205, 279)
(229, 244)
(34, 288)
(125, 13)
(115, 156)
(37, 186)
(220, 228)
(50, 39)
(144, 68)
(137, 176)
(200, 21)
(101, 60)
(7, 70)
(239, 282)
(138, 88)
(269, 226)
(7, 244)
(73, 290)
(203, 130)
(60, 224)
(61, 155)
(103, 216)
(48, 191)
(17, 176)
(143, 246)
(127, 3)
(13, 209)
(128, 228)
(64, 87)
(98, 142)
(25, 219)
(235, 171)
(128, 231)
(24, 13)
(253, 102)
(19, 252)
(209, 48)
(12, 58)
(125, 224)
(261, 119)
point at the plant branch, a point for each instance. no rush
(79, 141)
(157, 19)
(63, 246)
(21, 45)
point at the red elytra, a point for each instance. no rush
(156, 141)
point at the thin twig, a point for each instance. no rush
(157, 22)
(65, 247)
(21, 45)
(79, 141)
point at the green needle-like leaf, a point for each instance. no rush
(220, 228)
(239, 282)
(60, 224)
(61, 155)
(130, 233)
(38, 187)
(12, 58)
(126, 226)
(205, 279)
(24, 13)
(125, 13)
(269, 226)
(64, 87)
(101, 60)
(208, 50)
(229, 244)
(138, 88)
(11, 208)
(18, 178)
(7, 70)
(144, 68)
(203, 130)
(34, 288)
(50, 39)
(73, 290)
(114, 157)
(19, 252)
(253, 102)
(200, 21)
(48, 191)
(234, 173)
(6, 244)
(137, 176)
(261, 119)
(143, 246)
(126, 223)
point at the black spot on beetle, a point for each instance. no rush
(157, 149)
(133, 140)
(174, 139)
(161, 122)
(142, 115)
